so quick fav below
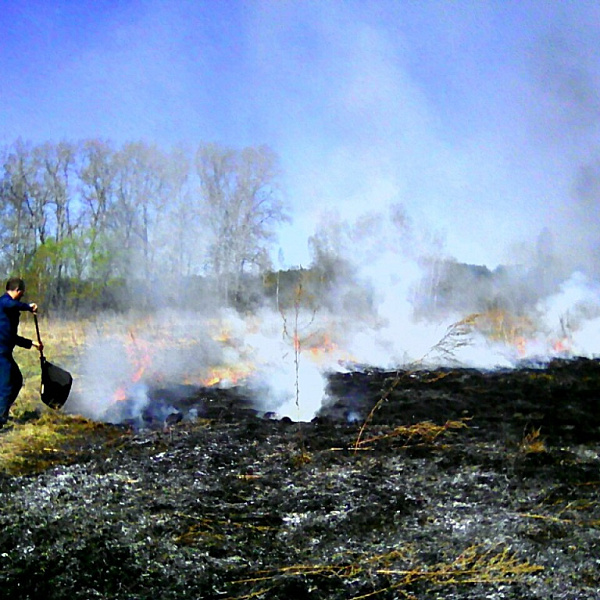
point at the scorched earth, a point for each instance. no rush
(452, 483)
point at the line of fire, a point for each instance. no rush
(278, 354)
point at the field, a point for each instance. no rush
(449, 483)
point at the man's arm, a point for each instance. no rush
(21, 341)
(18, 305)
(24, 342)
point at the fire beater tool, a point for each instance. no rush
(56, 382)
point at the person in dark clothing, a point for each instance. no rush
(11, 379)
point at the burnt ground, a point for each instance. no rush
(460, 484)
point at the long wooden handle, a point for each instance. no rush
(37, 330)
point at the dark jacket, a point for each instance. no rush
(9, 324)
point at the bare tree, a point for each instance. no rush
(88, 212)
(140, 199)
(24, 205)
(242, 205)
(180, 243)
(58, 164)
(97, 172)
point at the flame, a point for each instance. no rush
(141, 351)
(520, 333)
(297, 342)
(562, 346)
(140, 355)
(320, 347)
(521, 346)
(222, 375)
(325, 346)
(325, 352)
(120, 394)
(226, 375)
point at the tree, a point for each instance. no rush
(76, 218)
(97, 182)
(140, 198)
(57, 163)
(99, 259)
(180, 248)
(25, 202)
(241, 206)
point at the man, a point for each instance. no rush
(11, 379)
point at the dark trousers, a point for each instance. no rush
(11, 382)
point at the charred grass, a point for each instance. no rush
(446, 484)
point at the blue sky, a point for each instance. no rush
(476, 116)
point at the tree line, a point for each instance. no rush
(84, 221)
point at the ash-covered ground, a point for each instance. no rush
(460, 484)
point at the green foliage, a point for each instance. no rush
(77, 219)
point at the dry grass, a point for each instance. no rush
(38, 437)
(532, 443)
(495, 565)
(457, 336)
(501, 326)
(424, 432)
(52, 439)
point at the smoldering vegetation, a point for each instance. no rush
(450, 483)
(442, 472)
(388, 422)
(400, 302)
(345, 431)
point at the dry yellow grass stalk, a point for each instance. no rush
(424, 432)
(474, 565)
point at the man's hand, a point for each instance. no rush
(38, 345)
(33, 307)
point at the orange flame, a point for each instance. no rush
(562, 346)
(140, 356)
(521, 345)
(226, 375)
(325, 346)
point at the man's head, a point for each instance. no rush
(15, 286)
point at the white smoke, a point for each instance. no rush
(574, 313)
(130, 355)
(279, 360)
(368, 316)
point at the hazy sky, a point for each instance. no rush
(477, 116)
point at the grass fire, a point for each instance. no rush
(384, 424)
(319, 291)
(261, 454)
